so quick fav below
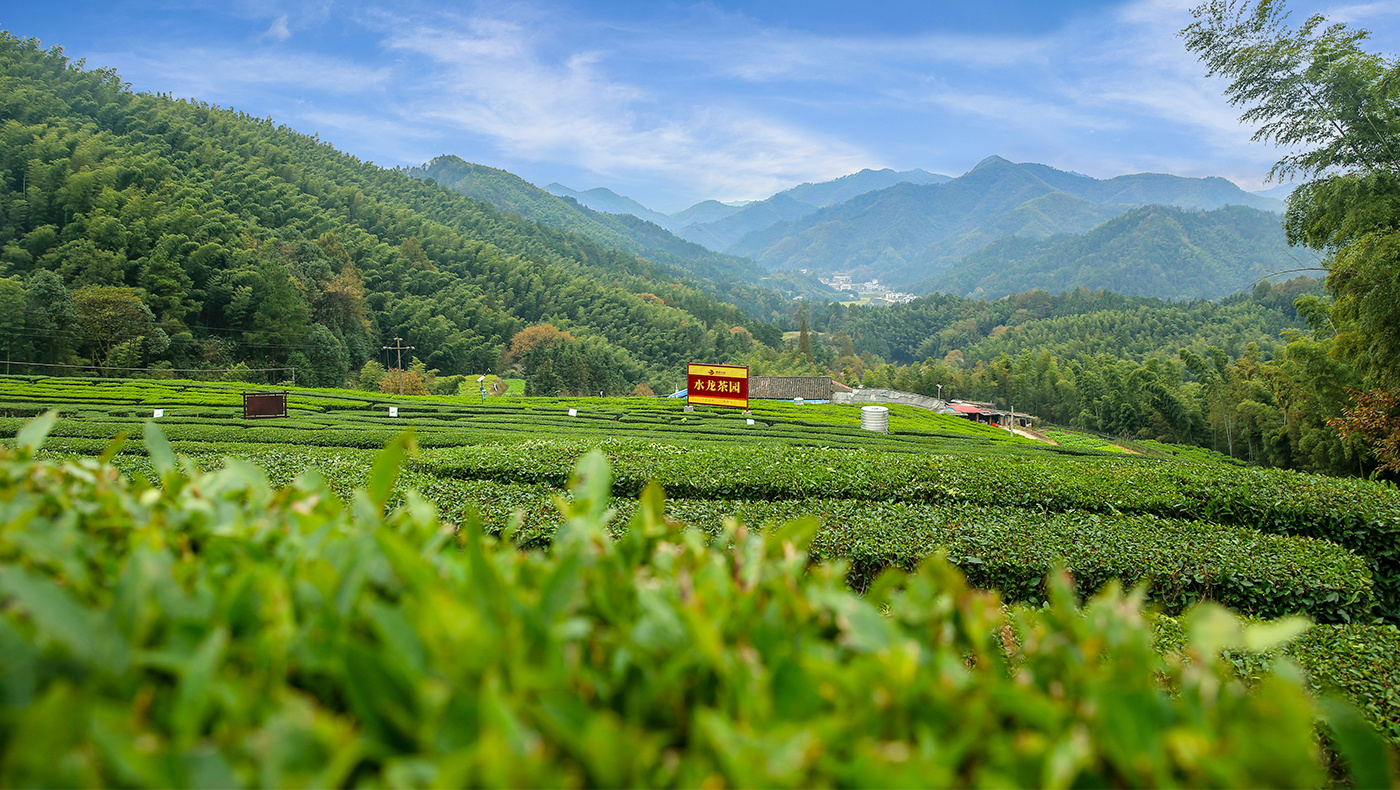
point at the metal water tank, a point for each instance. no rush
(875, 418)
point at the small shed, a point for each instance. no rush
(976, 413)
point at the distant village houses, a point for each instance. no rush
(876, 294)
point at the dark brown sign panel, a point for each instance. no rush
(264, 404)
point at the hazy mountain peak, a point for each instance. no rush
(609, 202)
(839, 190)
(991, 161)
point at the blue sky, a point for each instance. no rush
(674, 102)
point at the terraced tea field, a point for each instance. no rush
(205, 412)
(1004, 509)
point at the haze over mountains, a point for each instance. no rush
(718, 225)
(621, 230)
(909, 233)
(721, 275)
(1001, 227)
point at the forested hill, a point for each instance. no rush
(1158, 251)
(1077, 324)
(721, 275)
(137, 230)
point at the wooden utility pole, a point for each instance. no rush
(400, 348)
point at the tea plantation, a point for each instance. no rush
(259, 632)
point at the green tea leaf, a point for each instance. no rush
(32, 435)
(193, 694)
(1364, 753)
(1275, 633)
(387, 466)
(158, 448)
(55, 612)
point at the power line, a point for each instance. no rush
(172, 370)
(100, 369)
(76, 335)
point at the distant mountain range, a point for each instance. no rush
(999, 228)
(829, 193)
(717, 225)
(909, 233)
(722, 275)
(509, 192)
(735, 280)
(800, 201)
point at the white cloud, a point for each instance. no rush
(509, 79)
(1143, 68)
(495, 78)
(278, 30)
(803, 57)
(1119, 73)
(392, 138)
(285, 15)
(693, 102)
(210, 73)
(1362, 13)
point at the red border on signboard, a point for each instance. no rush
(717, 385)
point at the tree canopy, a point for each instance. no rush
(1315, 91)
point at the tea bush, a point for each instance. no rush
(1360, 516)
(1358, 661)
(1007, 549)
(1079, 441)
(1013, 551)
(216, 631)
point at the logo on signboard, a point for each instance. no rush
(717, 385)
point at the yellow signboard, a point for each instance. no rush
(717, 385)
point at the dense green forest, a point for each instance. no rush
(140, 231)
(1075, 323)
(1253, 376)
